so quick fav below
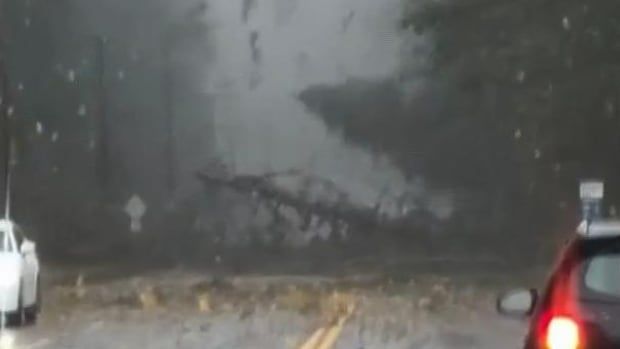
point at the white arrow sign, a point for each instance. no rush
(135, 209)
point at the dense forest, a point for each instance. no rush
(520, 101)
(91, 90)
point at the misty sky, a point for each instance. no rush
(260, 125)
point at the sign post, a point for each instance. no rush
(135, 209)
(591, 193)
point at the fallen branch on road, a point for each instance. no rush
(339, 215)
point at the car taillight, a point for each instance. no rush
(562, 333)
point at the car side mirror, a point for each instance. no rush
(517, 303)
(27, 247)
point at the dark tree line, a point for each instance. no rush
(520, 100)
(71, 63)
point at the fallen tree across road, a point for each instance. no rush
(340, 214)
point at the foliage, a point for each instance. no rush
(56, 72)
(520, 101)
(552, 70)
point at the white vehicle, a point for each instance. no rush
(19, 274)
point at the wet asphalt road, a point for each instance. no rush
(269, 330)
(385, 320)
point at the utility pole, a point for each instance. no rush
(5, 126)
(169, 125)
(102, 166)
(5, 122)
(170, 40)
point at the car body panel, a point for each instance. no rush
(22, 289)
(602, 323)
(9, 291)
(30, 277)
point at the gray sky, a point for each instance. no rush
(301, 42)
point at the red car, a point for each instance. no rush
(580, 305)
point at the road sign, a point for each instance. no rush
(135, 209)
(592, 190)
(591, 193)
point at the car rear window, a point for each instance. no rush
(602, 274)
(600, 269)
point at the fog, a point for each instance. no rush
(234, 163)
(396, 104)
(135, 98)
(260, 125)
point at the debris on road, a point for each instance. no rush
(204, 302)
(149, 299)
(80, 290)
(200, 310)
